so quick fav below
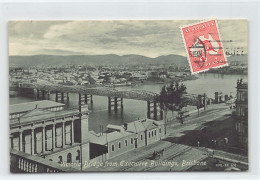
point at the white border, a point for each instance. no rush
(137, 10)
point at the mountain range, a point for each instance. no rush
(109, 59)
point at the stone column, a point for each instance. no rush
(72, 132)
(21, 141)
(32, 142)
(53, 137)
(43, 139)
(63, 134)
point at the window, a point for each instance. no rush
(78, 155)
(60, 159)
(132, 141)
(141, 137)
(155, 132)
(113, 147)
(149, 134)
(152, 133)
(125, 142)
(69, 158)
(119, 145)
(160, 130)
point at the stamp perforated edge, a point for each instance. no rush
(186, 50)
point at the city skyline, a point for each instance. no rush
(147, 38)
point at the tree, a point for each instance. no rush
(170, 98)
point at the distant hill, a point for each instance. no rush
(109, 59)
(241, 59)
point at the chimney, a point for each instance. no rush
(125, 126)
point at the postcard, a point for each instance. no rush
(128, 95)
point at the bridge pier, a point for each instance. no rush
(83, 103)
(62, 97)
(48, 94)
(88, 97)
(154, 110)
(41, 94)
(114, 102)
(37, 94)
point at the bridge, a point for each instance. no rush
(115, 97)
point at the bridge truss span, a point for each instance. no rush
(97, 91)
(115, 96)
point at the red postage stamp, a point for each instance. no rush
(203, 46)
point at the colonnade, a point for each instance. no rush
(56, 142)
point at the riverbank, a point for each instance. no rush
(133, 109)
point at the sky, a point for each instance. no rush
(148, 38)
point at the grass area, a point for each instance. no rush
(211, 131)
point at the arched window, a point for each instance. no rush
(78, 155)
(119, 145)
(113, 147)
(141, 137)
(152, 133)
(69, 158)
(132, 141)
(149, 134)
(60, 159)
(125, 142)
(155, 132)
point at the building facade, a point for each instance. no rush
(46, 130)
(242, 112)
(130, 136)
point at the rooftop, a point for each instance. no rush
(107, 137)
(142, 125)
(36, 115)
(24, 107)
(132, 127)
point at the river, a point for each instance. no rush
(207, 83)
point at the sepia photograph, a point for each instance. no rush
(128, 95)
